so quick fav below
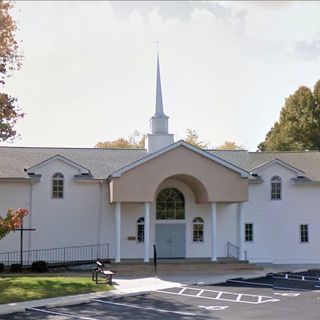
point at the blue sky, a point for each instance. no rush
(227, 67)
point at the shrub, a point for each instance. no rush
(1, 267)
(39, 266)
(15, 267)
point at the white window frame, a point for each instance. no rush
(172, 199)
(58, 177)
(304, 233)
(276, 183)
(245, 232)
(197, 221)
(140, 222)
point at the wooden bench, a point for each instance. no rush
(107, 274)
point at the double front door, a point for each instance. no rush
(171, 240)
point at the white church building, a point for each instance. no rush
(188, 202)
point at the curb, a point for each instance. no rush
(116, 294)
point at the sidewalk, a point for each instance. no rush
(138, 285)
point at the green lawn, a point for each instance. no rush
(23, 288)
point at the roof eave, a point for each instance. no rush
(242, 172)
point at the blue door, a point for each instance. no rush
(171, 240)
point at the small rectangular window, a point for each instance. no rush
(248, 232)
(304, 233)
(276, 188)
(275, 191)
(57, 185)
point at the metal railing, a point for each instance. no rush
(58, 255)
(233, 250)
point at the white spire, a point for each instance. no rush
(159, 136)
(159, 103)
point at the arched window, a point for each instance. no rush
(57, 185)
(170, 205)
(276, 188)
(197, 229)
(140, 229)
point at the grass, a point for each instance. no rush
(24, 288)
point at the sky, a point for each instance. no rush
(89, 68)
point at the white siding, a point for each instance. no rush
(276, 222)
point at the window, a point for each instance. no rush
(170, 205)
(304, 233)
(57, 185)
(248, 232)
(276, 188)
(140, 230)
(197, 229)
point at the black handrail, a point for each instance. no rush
(58, 255)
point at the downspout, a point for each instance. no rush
(100, 212)
(30, 215)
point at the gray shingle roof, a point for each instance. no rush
(307, 161)
(103, 162)
(100, 162)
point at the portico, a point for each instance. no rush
(209, 183)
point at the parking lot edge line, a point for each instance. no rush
(291, 289)
(144, 308)
(61, 314)
(292, 279)
(255, 283)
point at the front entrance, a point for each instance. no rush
(171, 240)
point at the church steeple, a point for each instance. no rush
(159, 103)
(159, 137)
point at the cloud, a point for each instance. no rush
(307, 50)
(181, 10)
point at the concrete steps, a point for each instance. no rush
(181, 266)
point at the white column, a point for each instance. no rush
(118, 231)
(146, 231)
(241, 231)
(213, 231)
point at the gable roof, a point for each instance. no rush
(61, 158)
(306, 161)
(103, 162)
(100, 161)
(179, 143)
(281, 163)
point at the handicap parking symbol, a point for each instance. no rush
(287, 294)
(214, 308)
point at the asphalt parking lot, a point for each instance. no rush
(276, 296)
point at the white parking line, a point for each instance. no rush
(200, 293)
(248, 282)
(70, 315)
(144, 308)
(238, 297)
(293, 279)
(271, 285)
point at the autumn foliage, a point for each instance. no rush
(13, 220)
(10, 60)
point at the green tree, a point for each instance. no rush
(10, 60)
(11, 221)
(298, 127)
(135, 141)
(230, 145)
(193, 138)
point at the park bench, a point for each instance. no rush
(99, 270)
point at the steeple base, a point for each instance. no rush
(155, 142)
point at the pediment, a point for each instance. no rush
(58, 157)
